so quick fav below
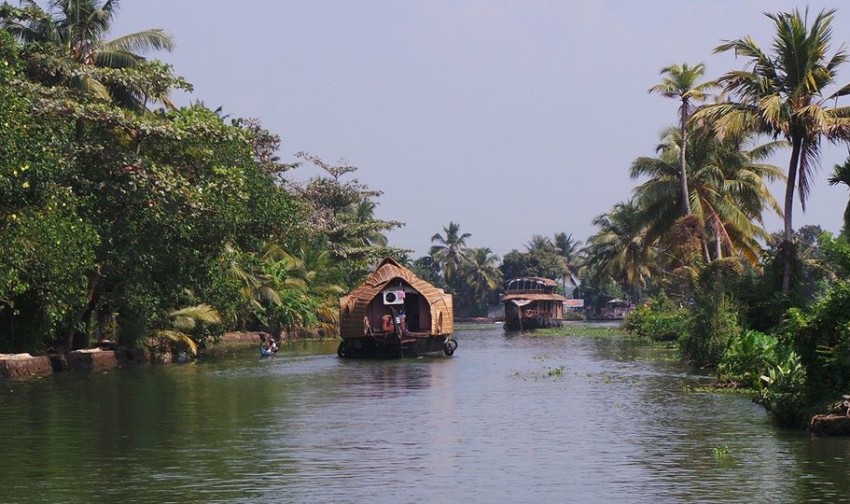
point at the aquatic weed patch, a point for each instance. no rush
(549, 373)
(557, 372)
(580, 330)
(554, 372)
(717, 388)
(611, 378)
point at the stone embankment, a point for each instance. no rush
(23, 366)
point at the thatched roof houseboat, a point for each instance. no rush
(531, 302)
(394, 313)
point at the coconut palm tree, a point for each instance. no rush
(681, 82)
(727, 190)
(841, 175)
(570, 251)
(785, 93)
(78, 29)
(256, 287)
(619, 250)
(482, 272)
(363, 214)
(450, 250)
(540, 243)
(314, 268)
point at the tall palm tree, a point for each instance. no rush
(727, 190)
(619, 250)
(482, 272)
(785, 94)
(681, 82)
(363, 213)
(570, 251)
(450, 250)
(540, 243)
(841, 175)
(78, 29)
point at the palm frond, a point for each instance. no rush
(178, 337)
(188, 317)
(143, 41)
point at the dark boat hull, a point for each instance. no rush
(529, 323)
(393, 348)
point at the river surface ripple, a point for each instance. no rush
(507, 419)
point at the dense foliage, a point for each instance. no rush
(115, 217)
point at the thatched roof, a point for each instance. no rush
(352, 307)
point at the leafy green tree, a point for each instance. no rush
(542, 258)
(545, 259)
(681, 82)
(161, 193)
(596, 289)
(715, 319)
(342, 217)
(48, 245)
(762, 305)
(118, 217)
(784, 93)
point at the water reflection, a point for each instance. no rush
(519, 419)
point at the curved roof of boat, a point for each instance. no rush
(533, 296)
(544, 281)
(352, 307)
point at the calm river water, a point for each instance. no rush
(507, 419)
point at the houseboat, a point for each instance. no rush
(531, 302)
(393, 314)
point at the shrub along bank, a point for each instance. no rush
(799, 363)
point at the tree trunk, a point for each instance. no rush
(72, 339)
(718, 245)
(845, 229)
(683, 172)
(788, 234)
(706, 254)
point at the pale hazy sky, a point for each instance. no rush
(511, 118)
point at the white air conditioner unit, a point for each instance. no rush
(394, 297)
